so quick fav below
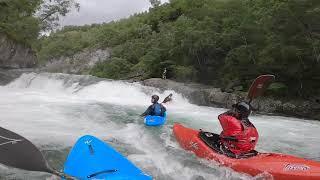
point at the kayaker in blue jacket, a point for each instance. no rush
(155, 109)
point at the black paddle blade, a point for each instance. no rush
(168, 98)
(259, 85)
(18, 152)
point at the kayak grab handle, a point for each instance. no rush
(91, 149)
(102, 172)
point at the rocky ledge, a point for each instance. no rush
(8, 75)
(79, 63)
(15, 55)
(210, 96)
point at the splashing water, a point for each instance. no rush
(54, 110)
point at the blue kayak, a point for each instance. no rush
(155, 120)
(91, 158)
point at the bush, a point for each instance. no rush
(183, 73)
(278, 89)
(209, 41)
(116, 68)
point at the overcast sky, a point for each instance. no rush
(98, 11)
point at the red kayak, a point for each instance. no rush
(280, 166)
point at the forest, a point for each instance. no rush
(224, 43)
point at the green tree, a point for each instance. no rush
(50, 12)
(116, 68)
(209, 41)
(22, 20)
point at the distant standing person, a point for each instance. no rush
(164, 74)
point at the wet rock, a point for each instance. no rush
(8, 75)
(15, 55)
(211, 96)
(195, 93)
(79, 63)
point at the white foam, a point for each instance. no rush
(56, 109)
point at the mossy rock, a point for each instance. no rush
(277, 89)
(238, 88)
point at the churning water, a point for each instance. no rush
(54, 110)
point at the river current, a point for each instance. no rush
(54, 110)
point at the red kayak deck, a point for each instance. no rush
(280, 166)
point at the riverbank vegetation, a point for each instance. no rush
(23, 20)
(226, 43)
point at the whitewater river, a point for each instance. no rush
(54, 110)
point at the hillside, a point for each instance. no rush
(222, 43)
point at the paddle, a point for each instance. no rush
(168, 98)
(259, 85)
(16, 151)
(257, 88)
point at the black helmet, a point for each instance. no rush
(243, 109)
(154, 98)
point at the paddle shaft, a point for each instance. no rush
(60, 174)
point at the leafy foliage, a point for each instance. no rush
(22, 20)
(50, 12)
(16, 19)
(209, 41)
(115, 69)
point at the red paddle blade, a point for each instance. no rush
(259, 85)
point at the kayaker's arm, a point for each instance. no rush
(227, 118)
(147, 112)
(163, 110)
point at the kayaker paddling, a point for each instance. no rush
(239, 136)
(156, 114)
(155, 109)
(238, 129)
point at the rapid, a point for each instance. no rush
(54, 110)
